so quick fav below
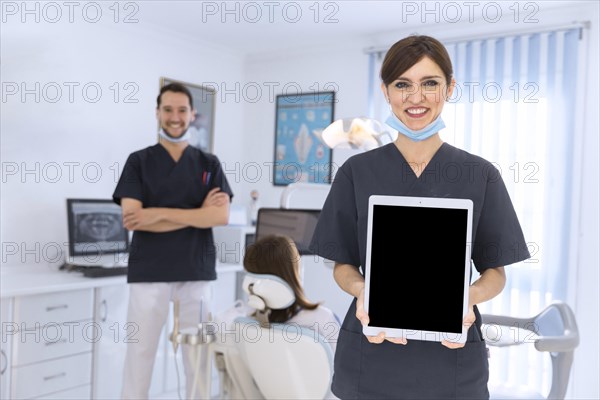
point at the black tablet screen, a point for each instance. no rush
(417, 268)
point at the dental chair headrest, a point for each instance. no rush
(267, 292)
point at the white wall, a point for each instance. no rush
(321, 69)
(76, 148)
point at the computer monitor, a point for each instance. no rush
(298, 224)
(96, 232)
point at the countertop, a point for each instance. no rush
(37, 279)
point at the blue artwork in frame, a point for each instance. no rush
(300, 155)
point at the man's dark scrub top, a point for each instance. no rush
(420, 369)
(154, 178)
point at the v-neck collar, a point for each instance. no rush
(175, 162)
(406, 164)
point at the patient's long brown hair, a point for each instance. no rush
(277, 255)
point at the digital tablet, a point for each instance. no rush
(418, 267)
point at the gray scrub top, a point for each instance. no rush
(420, 369)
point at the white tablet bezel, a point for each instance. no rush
(430, 202)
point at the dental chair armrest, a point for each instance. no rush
(565, 343)
(505, 320)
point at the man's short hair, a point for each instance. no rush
(177, 88)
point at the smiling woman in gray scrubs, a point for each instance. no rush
(416, 81)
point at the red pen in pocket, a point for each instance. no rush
(205, 178)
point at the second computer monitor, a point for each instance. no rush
(298, 224)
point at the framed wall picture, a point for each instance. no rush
(300, 155)
(202, 128)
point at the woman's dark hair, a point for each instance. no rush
(408, 51)
(177, 88)
(274, 254)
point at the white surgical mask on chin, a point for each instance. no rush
(169, 138)
(434, 127)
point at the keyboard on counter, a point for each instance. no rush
(96, 271)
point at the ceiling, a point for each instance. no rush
(250, 27)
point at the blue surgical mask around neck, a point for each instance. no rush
(169, 138)
(434, 127)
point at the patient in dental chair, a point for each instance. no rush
(273, 257)
(277, 255)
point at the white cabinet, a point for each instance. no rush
(52, 377)
(110, 315)
(43, 310)
(65, 337)
(52, 351)
(78, 393)
(5, 346)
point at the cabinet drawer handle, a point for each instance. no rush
(104, 306)
(52, 308)
(61, 375)
(61, 341)
(4, 362)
